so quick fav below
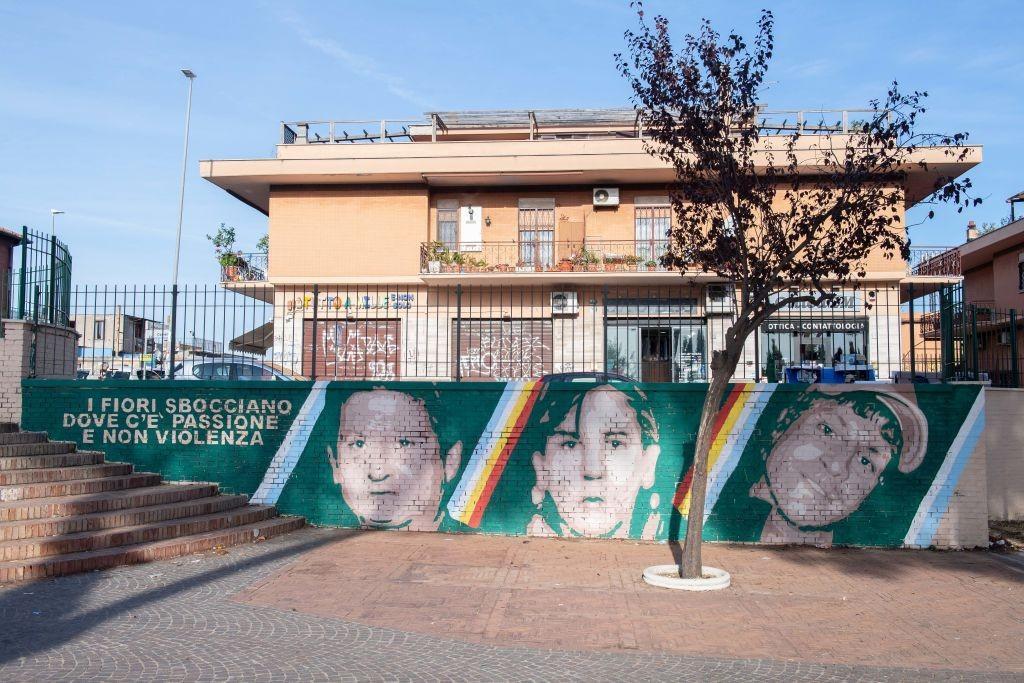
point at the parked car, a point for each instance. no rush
(228, 368)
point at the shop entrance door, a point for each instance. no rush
(655, 354)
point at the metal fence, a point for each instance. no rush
(663, 333)
(39, 288)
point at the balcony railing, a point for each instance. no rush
(543, 256)
(251, 267)
(942, 261)
(552, 124)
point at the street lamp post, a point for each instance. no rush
(53, 218)
(184, 168)
(190, 75)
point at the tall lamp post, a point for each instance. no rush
(53, 220)
(190, 75)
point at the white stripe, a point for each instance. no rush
(936, 500)
(290, 450)
(731, 453)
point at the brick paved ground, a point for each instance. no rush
(331, 605)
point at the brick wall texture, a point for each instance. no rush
(54, 346)
(1004, 444)
(894, 466)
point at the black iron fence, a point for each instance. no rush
(656, 333)
(39, 285)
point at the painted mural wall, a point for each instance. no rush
(872, 465)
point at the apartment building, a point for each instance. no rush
(512, 244)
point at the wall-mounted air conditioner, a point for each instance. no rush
(720, 298)
(564, 303)
(606, 196)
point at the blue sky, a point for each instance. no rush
(92, 100)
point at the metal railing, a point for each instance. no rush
(40, 282)
(663, 332)
(250, 267)
(942, 261)
(580, 124)
(544, 256)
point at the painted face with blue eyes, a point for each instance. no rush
(595, 463)
(388, 461)
(826, 463)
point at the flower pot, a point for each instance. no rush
(232, 273)
(434, 267)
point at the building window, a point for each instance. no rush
(1020, 272)
(448, 224)
(537, 232)
(653, 220)
(99, 327)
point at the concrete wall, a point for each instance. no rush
(873, 466)
(54, 347)
(322, 232)
(1004, 437)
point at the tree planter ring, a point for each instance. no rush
(667, 576)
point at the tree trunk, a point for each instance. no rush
(721, 373)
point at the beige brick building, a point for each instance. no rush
(513, 244)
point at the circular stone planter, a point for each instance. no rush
(667, 576)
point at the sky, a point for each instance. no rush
(92, 100)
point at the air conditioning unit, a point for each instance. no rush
(564, 303)
(606, 196)
(720, 298)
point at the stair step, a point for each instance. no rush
(145, 552)
(128, 517)
(10, 438)
(43, 448)
(74, 488)
(26, 549)
(88, 503)
(25, 462)
(51, 474)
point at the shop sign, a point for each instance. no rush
(814, 326)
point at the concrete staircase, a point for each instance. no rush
(63, 511)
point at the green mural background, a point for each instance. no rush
(555, 459)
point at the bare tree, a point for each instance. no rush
(788, 212)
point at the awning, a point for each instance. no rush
(256, 341)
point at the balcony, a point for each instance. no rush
(934, 261)
(251, 267)
(544, 256)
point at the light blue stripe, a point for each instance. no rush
(931, 520)
(750, 414)
(290, 450)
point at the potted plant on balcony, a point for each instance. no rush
(433, 252)
(633, 262)
(230, 259)
(565, 265)
(614, 262)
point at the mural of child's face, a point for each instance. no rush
(388, 461)
(826, 463)
(595, 463)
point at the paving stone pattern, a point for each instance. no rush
(176, 621)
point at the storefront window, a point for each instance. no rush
(647, 347)
(813, 344)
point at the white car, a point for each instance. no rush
(241, 368)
